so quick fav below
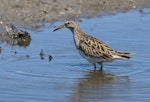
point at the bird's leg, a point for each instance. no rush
(101, 68)
(101, 65)
(94, 66)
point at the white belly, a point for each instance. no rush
(90, 59)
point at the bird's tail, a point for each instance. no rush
(124, 54)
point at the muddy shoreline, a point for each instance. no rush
(34, 13)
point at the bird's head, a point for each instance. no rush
(70, 23)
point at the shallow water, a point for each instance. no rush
(25, 77)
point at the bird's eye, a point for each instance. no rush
(68, 23)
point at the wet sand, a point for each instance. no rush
(34, 13)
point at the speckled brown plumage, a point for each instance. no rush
(91, 48)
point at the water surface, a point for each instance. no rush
(25, 77)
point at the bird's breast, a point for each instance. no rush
(76, 41)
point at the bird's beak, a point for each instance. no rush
(59, 27)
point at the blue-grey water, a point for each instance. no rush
(25, 77)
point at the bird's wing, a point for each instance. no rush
(95, 48)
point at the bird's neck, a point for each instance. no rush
(76, 31)
(77, 34)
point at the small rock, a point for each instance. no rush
(42, 54)
(50, 57)
(27, 56)
(1, 49)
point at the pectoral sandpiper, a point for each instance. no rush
(90, 48)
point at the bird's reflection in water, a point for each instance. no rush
(99, 86)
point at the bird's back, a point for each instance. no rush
(93, 47)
